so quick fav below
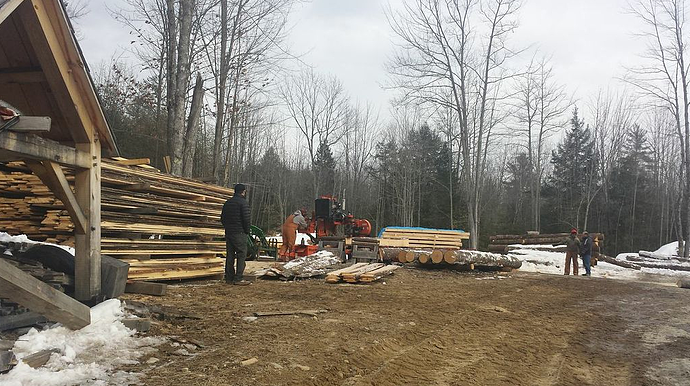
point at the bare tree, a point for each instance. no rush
(541, 103)
(457, 48)
(665, 79)
(318, 106)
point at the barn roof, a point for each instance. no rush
(43, 72)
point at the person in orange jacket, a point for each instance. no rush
(572, 252)
(292, 223)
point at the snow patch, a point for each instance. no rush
(88, 356)
(7, 238)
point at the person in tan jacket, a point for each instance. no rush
(572, 252)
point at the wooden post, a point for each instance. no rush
(87, 186)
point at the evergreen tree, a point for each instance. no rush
(325, 169)
(631, 194)
(573, 182)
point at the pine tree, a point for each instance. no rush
(630, 194)
(573, 182)
(325, 169)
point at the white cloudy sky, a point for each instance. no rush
(590, 41)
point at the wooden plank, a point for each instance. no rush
(146, 288)
(132, 161)
(21, 76)
(8, 8)
(52, 176)
(285, 313)
(22, 288)
(28, 124)
(34, 147)
(24, 319)
(87, 245)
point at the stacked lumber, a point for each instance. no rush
(500, 243)
(409, 237)
(145, 214)
(361, 273)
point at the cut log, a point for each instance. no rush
(620, 263)
(486, 259)
(449, 257)
(437, 256)
(37, 296)
(653, 255)
(424, 257)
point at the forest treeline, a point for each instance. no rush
(481, 134)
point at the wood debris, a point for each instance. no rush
(361, 273)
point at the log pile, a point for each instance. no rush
(406, 237)
(500, 243)
(451, 258)
(145, 214)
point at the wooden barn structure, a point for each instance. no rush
(43, 75)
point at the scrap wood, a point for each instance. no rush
(378, 273)
(284, 313)
(7, 361)
(39, 358)
(334, 276)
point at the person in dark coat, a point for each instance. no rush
(586, 253)
(572, 250)
(236, 221)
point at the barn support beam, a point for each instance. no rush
(87, 187)
(52, 176)
(31, 146)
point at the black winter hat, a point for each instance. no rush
(239, 188)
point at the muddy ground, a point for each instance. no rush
(427, 328)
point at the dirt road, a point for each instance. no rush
(429, 328)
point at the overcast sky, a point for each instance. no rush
(590, 41)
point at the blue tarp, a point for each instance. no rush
(419, 229)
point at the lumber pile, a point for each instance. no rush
(409, 237)
(361, 273)
(147, 215)
(501, 243)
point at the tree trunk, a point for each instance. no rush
(183, 74)
(193, 127)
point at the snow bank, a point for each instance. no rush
(554, 263)
(670, 249)
(86, 357)
(7, 238)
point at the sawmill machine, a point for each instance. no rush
(331, 219)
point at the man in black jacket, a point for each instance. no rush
(586, 253)
(236, 220)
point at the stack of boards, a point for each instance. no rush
(422, 238)
(166, 227)
(501, 243)
(361, 273)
